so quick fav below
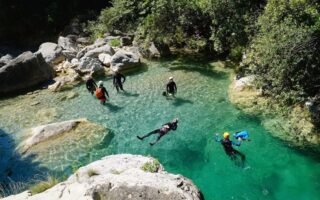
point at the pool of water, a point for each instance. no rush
(272, 169)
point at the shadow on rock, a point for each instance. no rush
(16, 171)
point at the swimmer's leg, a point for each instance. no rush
(147, 135)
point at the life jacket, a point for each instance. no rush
(99, 93)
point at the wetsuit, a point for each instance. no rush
(103, 99)
(171, 87)
(91, 85)
(117, 82)
(161, 131)
(230, 151)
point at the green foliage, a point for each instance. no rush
(151, 166)
(44, 185)
(114, 42)
(216, 26)
(285, 53)
(92, 172)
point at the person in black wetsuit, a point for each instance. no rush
(171, 87)
(91, 85)
(162, 131)
(230, 151)
(101, 93)
(117, 82)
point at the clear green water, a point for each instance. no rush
(272, 170)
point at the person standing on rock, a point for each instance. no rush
(101, 93)
(91, 85)
(171, 87)
(162, 131)
(117, 80)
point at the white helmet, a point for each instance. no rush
(170, 78)
(100, 83)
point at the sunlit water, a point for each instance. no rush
(272, 169)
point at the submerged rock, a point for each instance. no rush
(120, 177)
(23, 72)
(45, 132)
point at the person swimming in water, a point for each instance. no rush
(162, 131)
(101, 93)
(91, 85)
(228, 147)
(117, 82)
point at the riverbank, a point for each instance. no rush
(291, 124)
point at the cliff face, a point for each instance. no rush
(120, 177)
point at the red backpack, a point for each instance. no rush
(99, 93)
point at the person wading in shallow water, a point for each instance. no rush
(117, 82)
(91, 85)
(101, 93)
(230, 151)
(171, 88)
(162, 131)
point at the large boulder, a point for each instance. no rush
(68, 43)
(122, 60)
(84, 50)
(120, 177)
(157, 50)
(90, 65)
(5, 59)
(94, 53)
(105, 59)
(23, 72)
(51, 52)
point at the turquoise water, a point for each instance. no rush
(273, 170)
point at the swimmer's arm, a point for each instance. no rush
(238, 143)
(217, 138)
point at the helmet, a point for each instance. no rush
(226, 135)
(175, 120)
(100, 83)
(170, 78)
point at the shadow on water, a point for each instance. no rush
(112, 107)
(178, 101)
(205, 70)
(16, 170)
(130, 94)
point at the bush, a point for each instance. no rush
(197, 24)
(151, 166)
(44, 185)
(114, 42)
(285, 54)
